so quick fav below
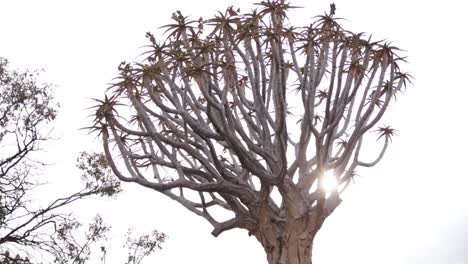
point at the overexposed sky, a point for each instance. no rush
(410, 208)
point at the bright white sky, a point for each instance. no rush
(411, 208)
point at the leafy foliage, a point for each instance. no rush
(96, 174)
(28, 230)
(143, 245)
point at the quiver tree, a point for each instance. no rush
(248, 114)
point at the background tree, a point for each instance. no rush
(142, 246)
(27, 229)
(248, 114)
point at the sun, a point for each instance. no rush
(329, 182)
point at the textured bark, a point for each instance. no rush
(288, 242)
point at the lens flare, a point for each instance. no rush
(329, 183)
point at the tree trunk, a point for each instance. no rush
(288, 242)
(287, 236)
(295, 250)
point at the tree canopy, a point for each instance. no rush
(245, 113)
